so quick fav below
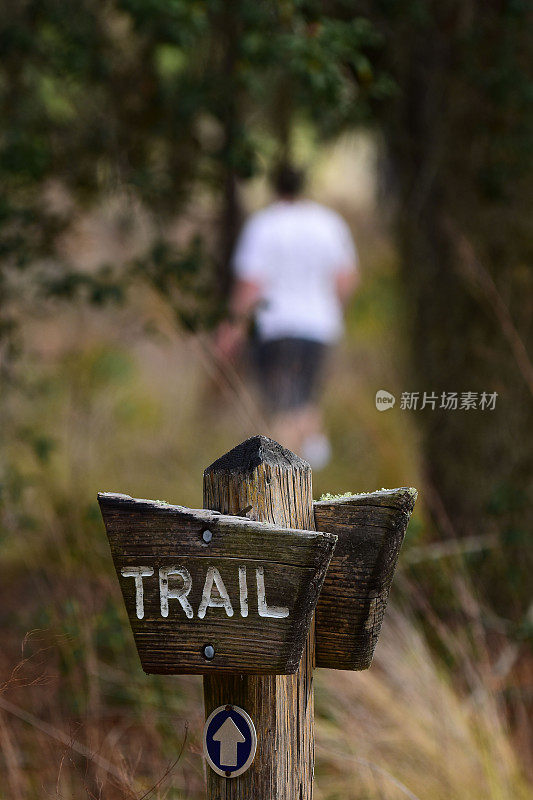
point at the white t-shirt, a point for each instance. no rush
(294, 251)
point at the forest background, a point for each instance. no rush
(135, 135)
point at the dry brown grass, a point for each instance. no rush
(79, 717)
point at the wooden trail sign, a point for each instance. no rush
(370, 529)
(193, 580)
(231, 593)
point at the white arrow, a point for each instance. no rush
(229, 737)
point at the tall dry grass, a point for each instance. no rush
(403, 729)
(77, 715)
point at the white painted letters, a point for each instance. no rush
(178, 594)
(223, 601)
(243, 591)
(213, 582)
(138, 573)
(264, 610)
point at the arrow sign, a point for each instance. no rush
(229, 741)
(229, 736)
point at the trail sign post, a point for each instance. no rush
(230, 592)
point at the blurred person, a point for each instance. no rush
(295, 267)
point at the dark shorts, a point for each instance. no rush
(289, 372)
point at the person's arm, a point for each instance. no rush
(244, 298)
(345, 260)
(231, 332)
(248, 264)
(346, 282)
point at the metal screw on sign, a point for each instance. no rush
(209, 652)
(242, 611)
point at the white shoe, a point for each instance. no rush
(316, 449)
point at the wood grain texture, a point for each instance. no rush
(277, 485)
(157, 535)
(370, 530)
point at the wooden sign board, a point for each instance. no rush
(208, 592)
(370, 530)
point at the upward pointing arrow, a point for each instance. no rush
(229, 737)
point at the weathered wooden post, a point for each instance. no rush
(272, 485)
(230, 593)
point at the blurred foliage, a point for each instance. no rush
(458, 139)
(154, 100)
